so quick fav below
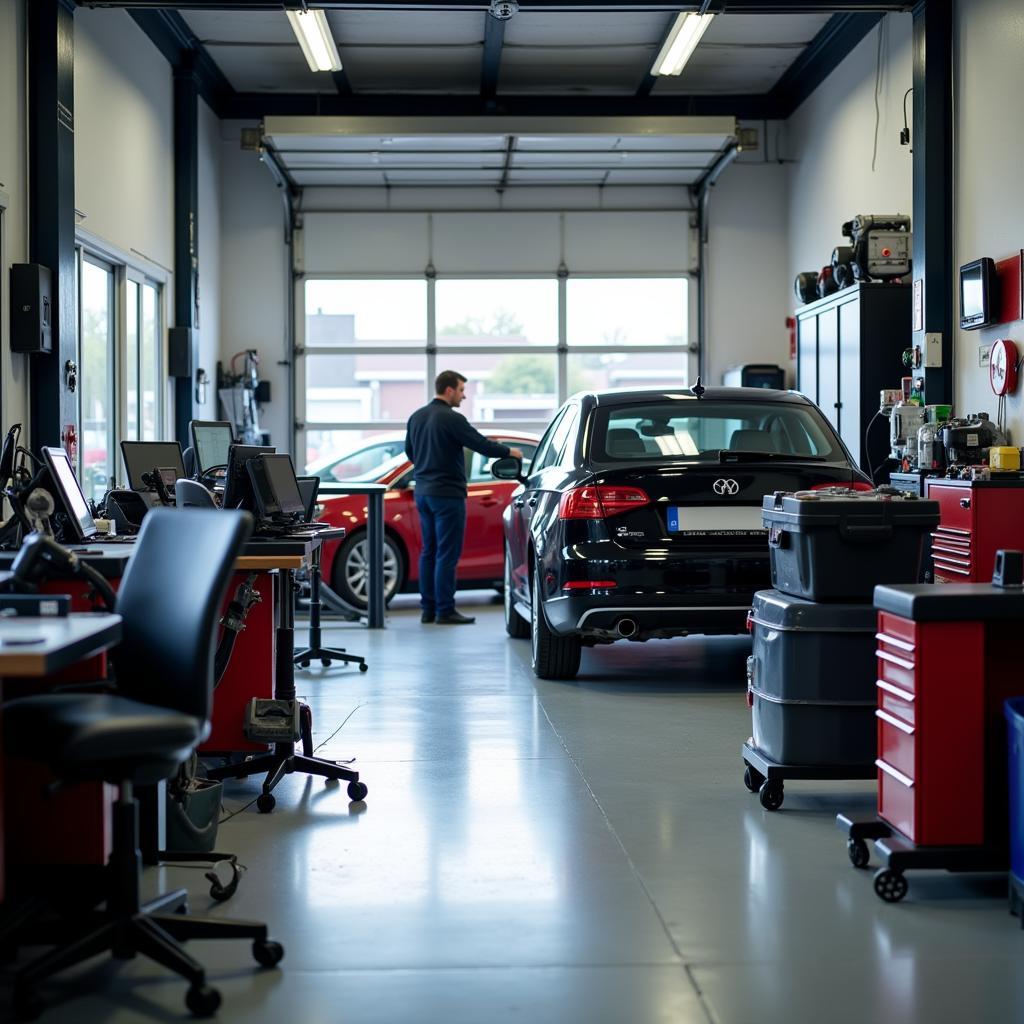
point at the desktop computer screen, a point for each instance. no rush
(145, 456)
(280, 475)
(69, 492)
(238, 492)
(211, 442)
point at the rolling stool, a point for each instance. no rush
(316, 649)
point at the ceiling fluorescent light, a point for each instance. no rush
(681, 42)
(314, 36)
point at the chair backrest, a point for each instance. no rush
(188, 460)
(170, 598)
(623, 441)
(752, 441)
(309, 488)
(192, 494)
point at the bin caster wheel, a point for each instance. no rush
(265, 803)
(27, 1004)
(357, 791)
(267, 952)
(890, 886)
(772, 795)
(752, 779)
(202, 1001)
(858, 852)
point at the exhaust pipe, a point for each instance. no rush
(626, 628)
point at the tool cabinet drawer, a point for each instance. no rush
(956, 505)
(896, 746)
(896, 701)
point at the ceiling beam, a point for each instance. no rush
(823, 54)
(494, 38)
(181, 48)
(625, 6)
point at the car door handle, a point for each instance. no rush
(489, 503)
(533, 501)
(518, 503)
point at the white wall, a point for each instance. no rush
(830, 138)
(253, 275)
(124, 166)
(209, 245)
(13, 182)
(747, 275)
(989, 43)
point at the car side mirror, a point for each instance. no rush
(509, 468)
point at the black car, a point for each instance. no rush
(640, 514)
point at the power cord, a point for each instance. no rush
(867, 453)
(905, 134)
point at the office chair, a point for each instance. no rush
(192, 494)
(170, 599)
(309, 487)
(188, 460)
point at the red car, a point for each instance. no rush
(345, 564)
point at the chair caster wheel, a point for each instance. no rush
(357, 791)
(326, 662)
(364, 667)
(265, 803)
(267, 952)
(303, 664)
(858, 852)
(202, 1001)
(27, 1004)
(772, 795)
(890, 886)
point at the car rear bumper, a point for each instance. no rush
(695, 592)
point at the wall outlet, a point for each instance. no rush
(983, 354)
(933, 351)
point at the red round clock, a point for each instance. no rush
(1002, 367)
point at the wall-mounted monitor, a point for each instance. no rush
(979, 298)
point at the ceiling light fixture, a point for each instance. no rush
(681, 42)
(314, 36)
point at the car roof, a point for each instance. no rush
(628, 396)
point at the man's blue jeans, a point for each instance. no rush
(443, 527)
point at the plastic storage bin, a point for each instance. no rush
(812, 680)
(836, 545)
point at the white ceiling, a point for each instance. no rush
(566, 53)
(577, 53)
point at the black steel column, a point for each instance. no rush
(185, 334)
(51, 159)
(933, 188)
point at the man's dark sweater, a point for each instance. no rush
(434, 441)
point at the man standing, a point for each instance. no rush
(434, 441)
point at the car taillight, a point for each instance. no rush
(855, 485)
(593, 502)
(589, 585)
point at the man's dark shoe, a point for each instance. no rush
(427, 617)
(454, 618)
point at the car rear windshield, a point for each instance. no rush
(701, 430)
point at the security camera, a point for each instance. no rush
(504, 9)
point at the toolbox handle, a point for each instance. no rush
(865, 534)
(778, 537)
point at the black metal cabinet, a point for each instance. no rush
(849, 347)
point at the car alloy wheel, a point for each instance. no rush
(355, 571)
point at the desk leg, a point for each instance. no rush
(375, 539)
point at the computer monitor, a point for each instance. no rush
(68, 492)
(309, 488)
(145, 456)
(211, 441)
(238, 492)
(280, 475)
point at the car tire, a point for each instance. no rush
(515, 625)
(553, 656)
(350, 572)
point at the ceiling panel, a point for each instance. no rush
(394, 69)
(728, 70)
(603, 69)
(407, 28)
(765, 29)
(585, 28)
(269, 69)
(235, 27)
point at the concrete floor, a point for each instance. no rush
(562, 852)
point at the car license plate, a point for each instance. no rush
(715, 519)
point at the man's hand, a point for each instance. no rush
(515, 453)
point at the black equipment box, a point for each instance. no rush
(31, 308)
(48, 605)
(837, 544)
(812, 680)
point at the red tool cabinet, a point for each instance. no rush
(978, 517)
(947, 659)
